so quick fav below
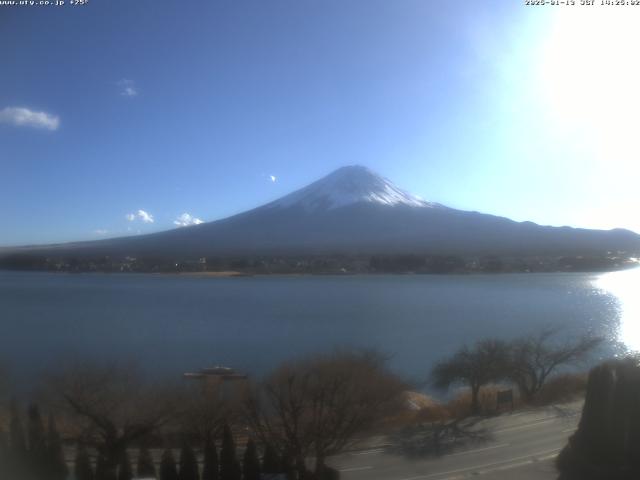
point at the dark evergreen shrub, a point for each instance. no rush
(4, 455)
(287, 466)
(188, 464)
(251, 463)
(125, 471)
(210, 470)
(17, 453)
(56, 464)
(17, 442)
(37, 456)
(82, 469)
(101, 468)
(145, 468)
(270, 461)
(168, 469)
(229, 466)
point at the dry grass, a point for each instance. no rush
(562, 388)
(460, 405)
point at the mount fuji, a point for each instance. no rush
(354, 211)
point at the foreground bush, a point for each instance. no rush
(562, 388)
(607, 442)
(316, 407)
(527, 362)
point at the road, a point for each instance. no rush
(520, 445)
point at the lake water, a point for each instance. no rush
(173, 324)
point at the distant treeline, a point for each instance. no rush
(322, 264)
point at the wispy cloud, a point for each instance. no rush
(23, 117)
(146, 217)
(100, 232)
(186, 220)
(127, 88)
(142, 215)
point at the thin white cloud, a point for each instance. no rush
(23, 117)
(127, 88)
(101, 232)
(146, 217)
(186, 220)
(273, 178)
(142, 215)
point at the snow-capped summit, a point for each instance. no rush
(347, 186)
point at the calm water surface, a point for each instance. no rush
(174, 324)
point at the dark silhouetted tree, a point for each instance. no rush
(82, 469)
(4, 455)
(229, 465)
(485, 362)
(535, 357)
(287, 466)
(18, 455)
(270, 461)
(188, 464)
(100, 470)
(125, 471)
(168, 469)
(104, 470)
(251, 462)
(204, 411)
(37, 442)
(210, 469)
(56, 464)
(145, 468)
(16, 433)
(605, 445)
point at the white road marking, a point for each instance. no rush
(500, 469)
(504, 464)
(511, 415)
(526, 425)
(548, 457)
(514, 465)
(355, 469)
(369, 452)
(478, 450)
(533, 423)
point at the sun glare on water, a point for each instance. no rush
(624, 287)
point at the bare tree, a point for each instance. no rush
(112, 407)
(317, 406)
(533, 358)
(473, 366)
(205, 410)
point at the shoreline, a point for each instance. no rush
(239, 274)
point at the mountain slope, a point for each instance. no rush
(355, 211)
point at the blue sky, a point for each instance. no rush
(119, 117)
